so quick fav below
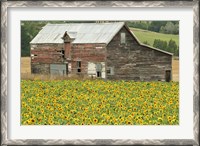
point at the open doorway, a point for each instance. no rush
(98, 70)
(168, 75)
(98, 74)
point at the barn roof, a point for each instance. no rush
(80, 32)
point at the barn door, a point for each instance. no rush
(168, 75)
(58, 69)
(99, 70)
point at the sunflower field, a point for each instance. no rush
(99, 102)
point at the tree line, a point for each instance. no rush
(169, 46)
(166, 27)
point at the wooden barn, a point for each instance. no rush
(104, 50)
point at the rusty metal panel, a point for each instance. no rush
(58, 69)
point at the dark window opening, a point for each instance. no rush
(98, 74)
(78, 63)
(168, 75)
(63, 52)
(78, 70)
(66, 69)
(108, 71)
(33, 56)
(35, 70)
(78, 66)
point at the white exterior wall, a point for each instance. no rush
(103, 70)
(92, 69)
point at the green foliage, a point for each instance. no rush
(29, 30)
(139, 24)
(156, 25)
(166, 27)
(172, 47)
(169, 47)
(160, 44)
(145, 42)
(150, 37)
(170, 28)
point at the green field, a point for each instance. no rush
(149, 36)
(99, 102)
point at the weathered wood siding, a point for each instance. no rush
(136, 62)
(42, 55)
(38, 68)
(87, 53)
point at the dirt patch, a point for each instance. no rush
(175, 70)
(25, 65)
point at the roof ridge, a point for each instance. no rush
(84, 23)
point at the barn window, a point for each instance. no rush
(61, 52)
(78, 66)
(110, 71)
(33, 56)
(123, 38)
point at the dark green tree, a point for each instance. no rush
(29, 30)
(172, 47)
(156, 25)
(160, 44)
(145, 42)
(170, 28)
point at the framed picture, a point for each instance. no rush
(131, 55)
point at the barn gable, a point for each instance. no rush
(129, 59)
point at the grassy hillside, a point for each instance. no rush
(149, 36)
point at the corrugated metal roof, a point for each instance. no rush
(81, 32)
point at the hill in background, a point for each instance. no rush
(166, 42)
